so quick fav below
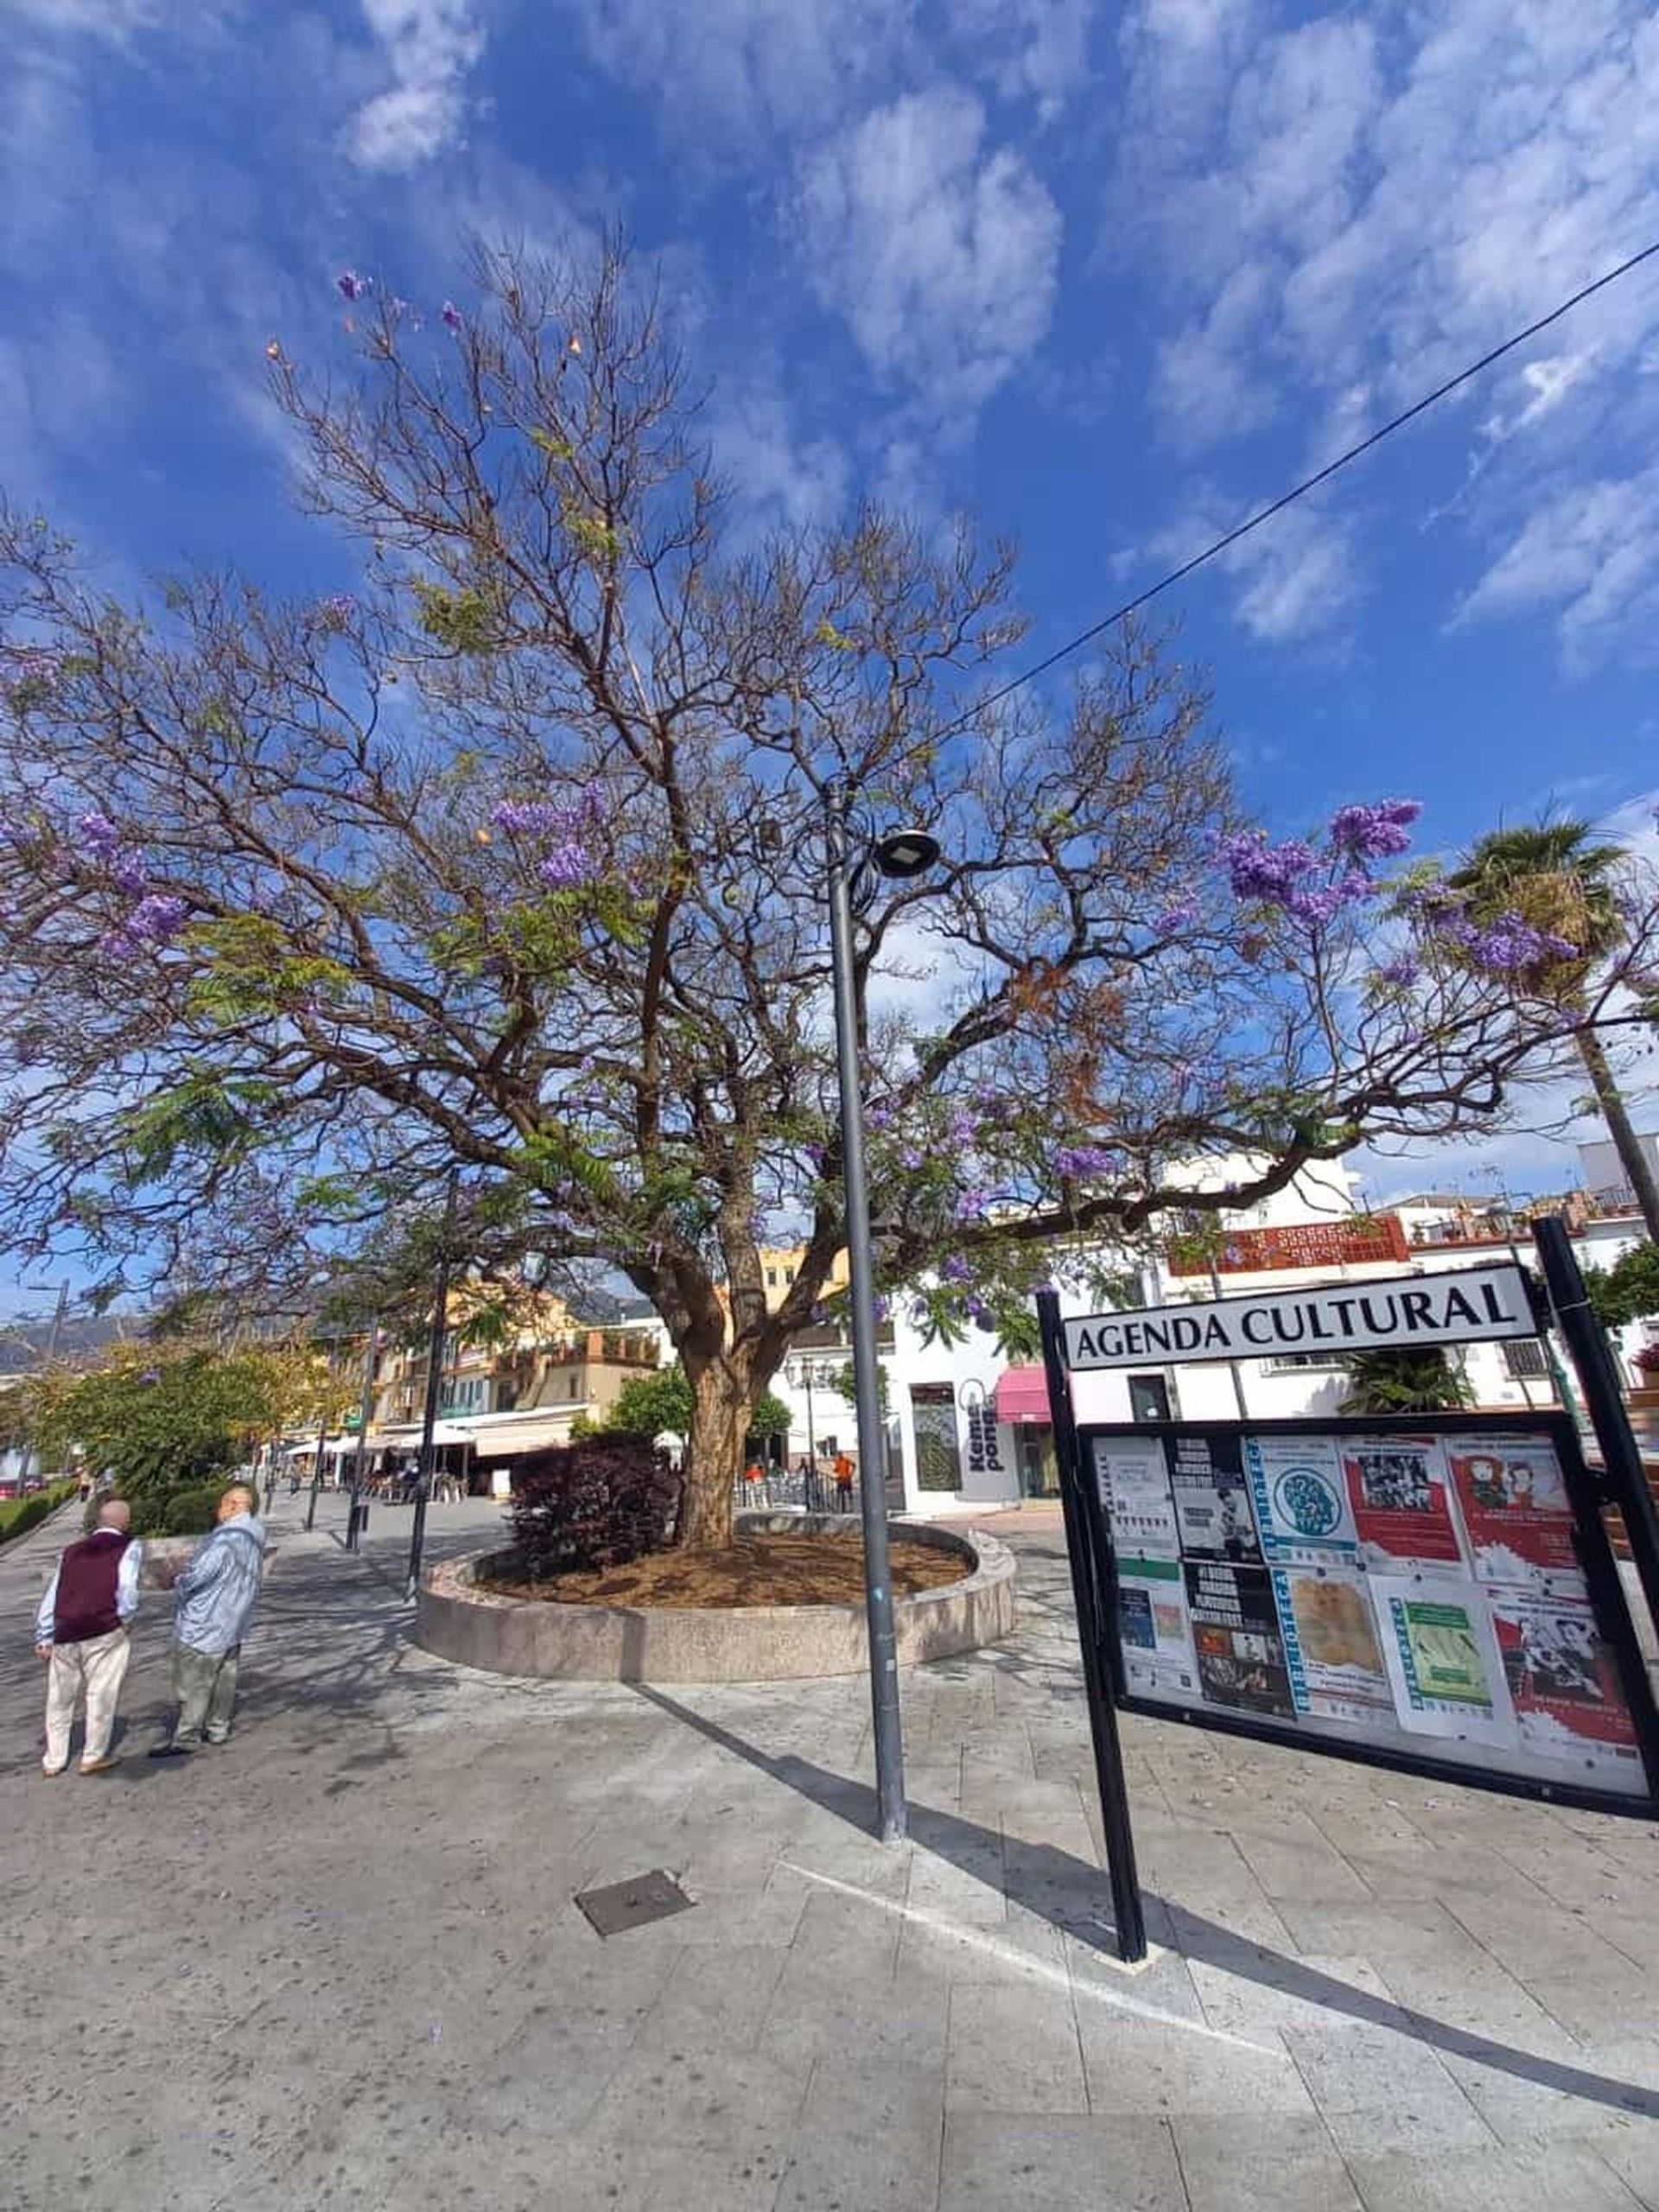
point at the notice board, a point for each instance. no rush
(1435, 1593)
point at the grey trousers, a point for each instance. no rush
(204, 1683)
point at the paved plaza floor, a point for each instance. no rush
(338, 1963)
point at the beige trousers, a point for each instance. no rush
(98, 1669)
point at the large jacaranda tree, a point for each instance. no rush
(512, 859)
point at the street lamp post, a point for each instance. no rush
(316, 1470)
(905, 854)
(434, 1386)
(357, 1520)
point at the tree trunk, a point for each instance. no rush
(1631, 1157)
(721, 1405)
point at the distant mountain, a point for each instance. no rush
(23, 1342)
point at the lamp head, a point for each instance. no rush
(904, 852)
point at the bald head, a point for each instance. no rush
(115, 1513)
(238, 1499)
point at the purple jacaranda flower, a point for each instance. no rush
(1510, 943)
(1378, 832)
(158, 917)
(127, 872)
(452, 316)
(540, 817)
(1180, 914)
(956, 1269)
(963, 1128)
(972, 1204)
(99, 834)
(567, 866)
(336, 611)
(883, 1306)
(879, 1117)
(1256, 869)
(1319, 907)
(156, 921)
(349, 284)
(912, 1157)
(1402, 972)
(1082, 1162)
(814, 1156)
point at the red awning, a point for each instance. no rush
(1022, 1395)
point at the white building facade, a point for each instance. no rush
(970, 1431)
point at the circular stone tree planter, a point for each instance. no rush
(458, 1620)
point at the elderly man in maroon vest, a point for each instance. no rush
(81, 1632)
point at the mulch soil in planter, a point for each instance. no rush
(781, 1570)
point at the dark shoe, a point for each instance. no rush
(171, 1750)
(98, 1766)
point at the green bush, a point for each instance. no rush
(190, 1512)
(18, 1515)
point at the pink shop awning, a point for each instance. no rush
(1022, 1395)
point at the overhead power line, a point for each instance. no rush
(1299, 491)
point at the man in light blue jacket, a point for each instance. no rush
(215, 1596)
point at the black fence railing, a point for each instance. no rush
(781, 1488)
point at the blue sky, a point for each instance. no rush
(1107, 272)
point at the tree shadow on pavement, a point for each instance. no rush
(1068, 1892)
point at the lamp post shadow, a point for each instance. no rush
(1069, 1893)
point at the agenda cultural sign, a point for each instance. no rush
(1469, 1306)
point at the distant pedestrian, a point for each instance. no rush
(81, 1630)
(843, 1482)
(215, 1596)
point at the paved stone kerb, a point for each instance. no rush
(741, 1644)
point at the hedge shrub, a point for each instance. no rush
(18, 1515)
(594, 1504)
(191, 1512)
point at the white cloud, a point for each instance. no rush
(779, 479)
(106, 19)
(1293, 581)
(1028, 49)
(1592, 552)
(1365, 203)
(728, 72)
(1299, 577)
(940, 252)
(431, 46)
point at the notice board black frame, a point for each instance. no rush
(1588, 1496)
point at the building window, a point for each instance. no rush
(771, 1278)
(1299, 1363)
(574, 1380)
(1524, 1358)
(938, 1446)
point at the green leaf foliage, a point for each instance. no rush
(1628, 1290)
(1390, 1382)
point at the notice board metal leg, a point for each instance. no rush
(1592, 1358)
(1094, 1592)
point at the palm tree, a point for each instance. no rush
(1398, 1380)
(1557, 879)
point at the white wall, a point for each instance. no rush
(1197, 1392)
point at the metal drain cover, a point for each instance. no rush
(623, 1905)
